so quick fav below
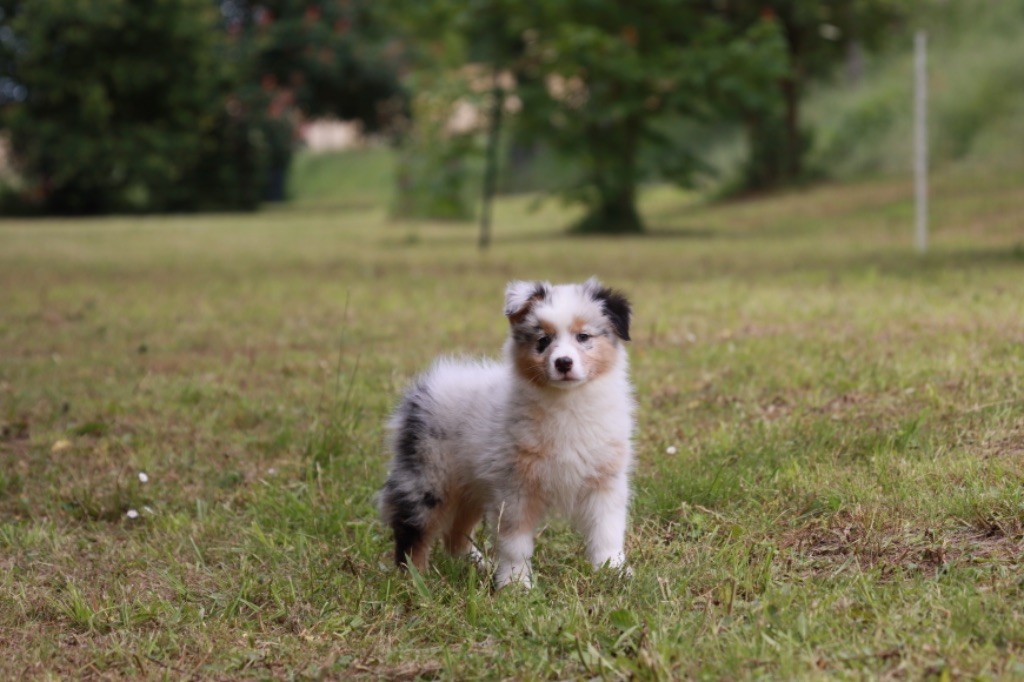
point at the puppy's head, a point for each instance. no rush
(566, 335)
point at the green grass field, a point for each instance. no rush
(844, 500)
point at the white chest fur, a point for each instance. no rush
(573, 443)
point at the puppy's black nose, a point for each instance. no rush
(563, 365)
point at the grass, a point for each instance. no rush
(356, 179)
(844, 499)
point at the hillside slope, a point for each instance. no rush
(976, 102)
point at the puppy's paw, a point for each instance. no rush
(616, 565)
(522, 579)
(478, 559)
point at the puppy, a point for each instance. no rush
(547, 430)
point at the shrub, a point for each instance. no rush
(434, 162)
(127, 108)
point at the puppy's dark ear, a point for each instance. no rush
(521, 296)
(615, 306)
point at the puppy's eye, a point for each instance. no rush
(583, 338)
(543, 343)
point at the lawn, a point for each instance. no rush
(830, 442)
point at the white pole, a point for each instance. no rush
(921, 138)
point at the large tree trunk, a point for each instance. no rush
(614, 160)
(777, 145)
(615, 214)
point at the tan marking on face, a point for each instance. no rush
(578, 325)
(601, 357)
(529, 364)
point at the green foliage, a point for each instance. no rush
(976, 107)
(607, 85)
(126, 108)
(438, 146)
(305, 59)
(432, 179)
(594, 79)
(817, 36)
(328, 58)
(179, 104)
(603, 79)
(436, 161)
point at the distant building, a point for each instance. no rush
(327, 135)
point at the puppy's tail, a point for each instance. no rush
(404, 511)
(409, 501)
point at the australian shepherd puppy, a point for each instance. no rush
(547, 430)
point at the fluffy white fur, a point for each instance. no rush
(548, 430)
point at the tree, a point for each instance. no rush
(433, 173)
(311, 59)
(612, 71)
(596, 78)
(178, 104)
(123, 107)
(817, 36)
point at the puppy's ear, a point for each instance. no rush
(520, 296)
(614, 305)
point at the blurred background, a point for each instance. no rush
(425, 106)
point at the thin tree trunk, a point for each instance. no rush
(491, 171)
(792, 166)
(616, 183)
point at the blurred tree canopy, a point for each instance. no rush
(113, 105)
(818, 36)
(616, 86)
(331, 57)
(315, 58)
(595, 78)
(178, 104)
(122, 105)
(603, 77)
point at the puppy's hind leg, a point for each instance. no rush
(415, 519)
(458, 539)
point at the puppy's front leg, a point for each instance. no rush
(602, 521)
(514, 552)
(514, 530)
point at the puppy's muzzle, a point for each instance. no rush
(563, 365)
